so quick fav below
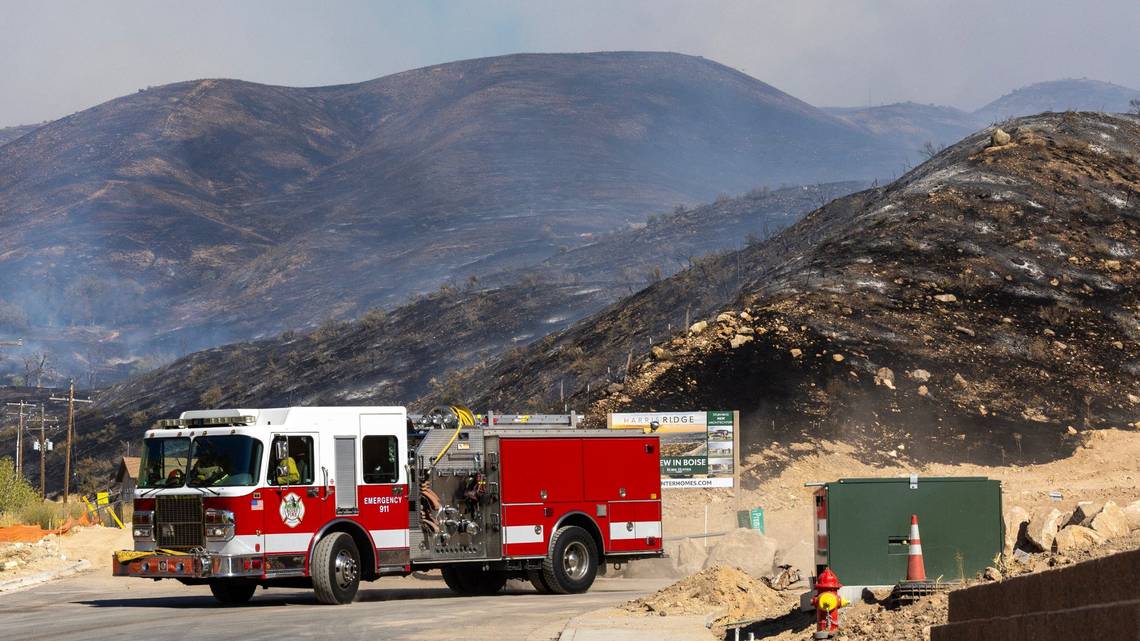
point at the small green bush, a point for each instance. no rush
(15, 492)
(49, 515)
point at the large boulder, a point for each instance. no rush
(1015, 519)
(1075, 538)
(691, 556)
(746, 549)
(1111, 521)
(1042, 528)
(1132, 513)
(1085, 512)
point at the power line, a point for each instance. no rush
(71, 401)
(20, 434)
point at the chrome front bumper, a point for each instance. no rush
(187, 566)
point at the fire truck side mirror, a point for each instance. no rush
(281, 449)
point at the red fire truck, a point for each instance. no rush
(329, 496)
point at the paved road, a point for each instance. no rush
(101, 607)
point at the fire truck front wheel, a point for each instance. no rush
(573, 561)
(232, 591)
(336, 569)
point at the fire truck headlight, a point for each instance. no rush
(219, 525)
(142, 525)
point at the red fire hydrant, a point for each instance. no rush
(827, 603)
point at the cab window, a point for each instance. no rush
(380, 454)
(296, 466)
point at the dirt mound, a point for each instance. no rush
(730, 592)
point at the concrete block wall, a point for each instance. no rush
(1099, 598)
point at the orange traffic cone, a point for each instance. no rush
(915, 569)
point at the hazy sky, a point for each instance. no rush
(60, 57)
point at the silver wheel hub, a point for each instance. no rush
(575, 561)
(345, 569)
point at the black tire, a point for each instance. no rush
(336, 569)
(472, 581)
(233, 591)
(538, 581)
(457, 581)
(572, 564)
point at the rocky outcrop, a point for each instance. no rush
(1075, 538)
(1042, 528)
(1111, 521)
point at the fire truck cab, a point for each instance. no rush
(329, 496)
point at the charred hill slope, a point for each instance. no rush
(983, 306)
(216, 210)
(407, 353)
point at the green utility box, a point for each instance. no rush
(862, 527)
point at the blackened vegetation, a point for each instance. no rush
(411, 351)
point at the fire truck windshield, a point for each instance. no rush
(163, 462)
(222, 461)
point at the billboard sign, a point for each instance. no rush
(698, 449)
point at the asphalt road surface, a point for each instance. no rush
(95, 607)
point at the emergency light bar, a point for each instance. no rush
(213, 421)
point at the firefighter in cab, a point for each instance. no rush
(286, 470)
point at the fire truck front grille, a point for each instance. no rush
(179, 522)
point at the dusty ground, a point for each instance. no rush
(54, 552)
(1103, 467)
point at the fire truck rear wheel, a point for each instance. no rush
(538, 580)
(232, 591)
(336, 569)
(572, 564)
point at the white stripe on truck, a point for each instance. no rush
(522, 534)
(624, 530)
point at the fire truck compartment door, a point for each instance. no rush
(344, 452)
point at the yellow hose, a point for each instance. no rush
(466, 419)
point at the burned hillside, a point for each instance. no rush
(983, 306)
(406, 353)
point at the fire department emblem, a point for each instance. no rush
(292, 510)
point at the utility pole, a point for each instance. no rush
(44, 445)
(20, 435)
(71, 401)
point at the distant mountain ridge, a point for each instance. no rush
(1070, 94)
(913, 125)
(219, 210)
